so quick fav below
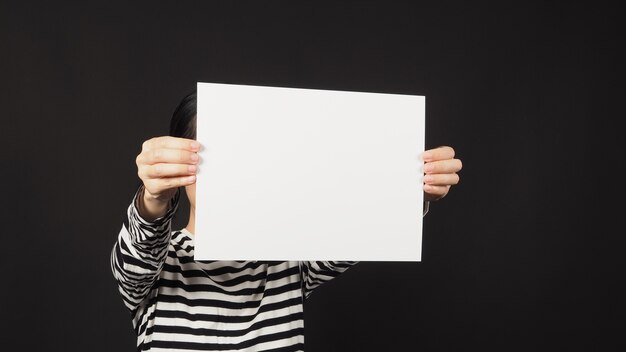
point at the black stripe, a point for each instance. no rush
(199, 272)
(227, 346)
(292, 302)
(209, 288)
(128, 259)
(221, 270)
(140, 329)
(203, 302)
(180, 238)
(190, 273)
(184, 330)
(157, 246)
(292, 348)
(282, 289)
(345, 265)
(323, 270)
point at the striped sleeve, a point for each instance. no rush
(140, 251)
(316, 273)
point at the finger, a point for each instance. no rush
(169, 170)
(169, 142)
(443, 166)
(439, 153)
(441, 179)
(171, 156)
(158, 185)
(436, 192)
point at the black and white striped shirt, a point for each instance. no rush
(178, 304)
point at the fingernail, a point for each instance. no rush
(191, 178)
(428, 168)
(195, 145)
(427, 155)
(194, 157)
(428, 179)
(192, 168)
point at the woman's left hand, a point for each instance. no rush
(440, 172)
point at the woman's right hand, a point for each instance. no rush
(164, 164)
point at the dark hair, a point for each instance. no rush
(183, 123)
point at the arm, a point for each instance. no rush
(140, 251)
(316, 273)
(164, 165)
(440, 174)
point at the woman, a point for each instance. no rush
(179, 304)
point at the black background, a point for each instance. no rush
(525, 254)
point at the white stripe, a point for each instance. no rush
(227, 339)
(230, 326)
(223, 311)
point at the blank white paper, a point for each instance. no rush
(307, 174)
